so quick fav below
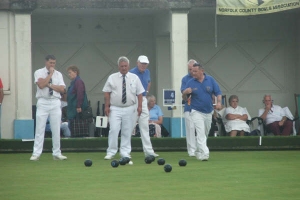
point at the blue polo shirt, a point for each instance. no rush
(184, 80)
(154, 113)
(144, 77)
(202, 93)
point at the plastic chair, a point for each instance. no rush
(218, 115)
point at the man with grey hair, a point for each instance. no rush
(144, 75)
(120, 91)
(202, 88)
(275, 118)
(189, 126)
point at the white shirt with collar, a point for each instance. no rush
(275, 114)
(57, 79)
(114, 84)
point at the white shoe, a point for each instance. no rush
(34, 158)
(60, 157)
(202, 158)
(153, 154)
(192, 155)
(108, 157)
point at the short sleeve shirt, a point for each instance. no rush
(202, 93)
(275, 114)
(155, 113)
(114, 84)
(237, 111)
(144, 78)
(57, 79)
(184, 80)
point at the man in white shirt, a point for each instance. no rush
(120, 91)
(274, 117)
(50, 84)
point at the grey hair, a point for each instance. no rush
(149, 97)
(267, 95)
(233, 97)
(123, 59)
(192, 61)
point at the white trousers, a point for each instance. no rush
(45, 108)
(120, 118)
(190, 134)
(202, 123)
(143, 121)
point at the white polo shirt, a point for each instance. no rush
(57, 79)
(114, 86)
(275, 114)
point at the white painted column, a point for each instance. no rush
(23, 65)
(179, 52)
(23, 123)
(179, 58)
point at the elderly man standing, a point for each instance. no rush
(50, 84)
(144, 75)
(274, 117)
(120, 91)
(189, 126)
(202, 88)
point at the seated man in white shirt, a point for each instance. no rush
(274, 117)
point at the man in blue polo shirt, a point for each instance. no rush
(202, 88)
(189, 125)
(144, 75)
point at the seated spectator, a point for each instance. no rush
(64, 127)
(156, 128)
(64, 121)
(236, 118)
(275, 118)
(155, 115)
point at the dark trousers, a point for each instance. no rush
(285, 129)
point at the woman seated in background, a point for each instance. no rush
(155, 115)
(236, 118)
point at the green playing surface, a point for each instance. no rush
(227, 175)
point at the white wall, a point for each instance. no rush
(253, 56)
(94, 44)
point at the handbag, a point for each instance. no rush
(87, 113)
